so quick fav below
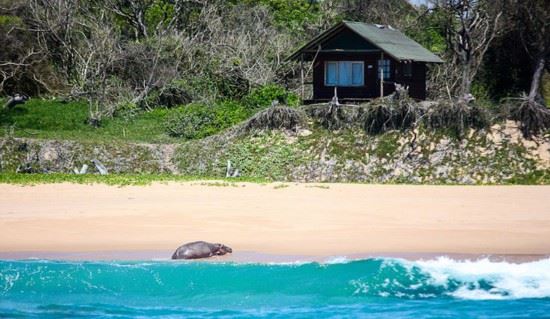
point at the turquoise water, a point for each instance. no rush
(372, 288)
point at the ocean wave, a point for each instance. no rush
(341, 278)
(484, 279)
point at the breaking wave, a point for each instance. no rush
(338, 285)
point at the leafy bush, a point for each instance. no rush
(199, 120)
(169, 96)
(293, 15)
(262, 97)
(191, 121)
(229, 113)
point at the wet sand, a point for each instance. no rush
(272, 223)
(252, 257)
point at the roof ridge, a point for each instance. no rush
(387, 38)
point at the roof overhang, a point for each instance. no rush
(315, 46)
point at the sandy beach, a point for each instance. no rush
(294, 219)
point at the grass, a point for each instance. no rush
(387, 145)
(118, 179)
(51, 119)
(535, 177)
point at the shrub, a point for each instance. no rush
(533, 116)
(334, 117)
(199, 120)
(456, 117)
(382, 115)
(264, 96)
(127, 110)
(276, 118)
(191, 121)
(229, 113)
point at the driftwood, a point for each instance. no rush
(102, 170)
(82, 171)
(230, 172)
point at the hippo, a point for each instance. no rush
(200, 249)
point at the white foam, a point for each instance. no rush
(337, 260)
(508, 280)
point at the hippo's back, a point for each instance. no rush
(197, 249)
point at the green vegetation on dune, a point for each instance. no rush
(56, 119)
(307, 151)
(199, 120)
(170, 93)
(118, 179)
(53, 119)
(351, 155)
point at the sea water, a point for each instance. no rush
(370, 288)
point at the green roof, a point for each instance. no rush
(386, 38)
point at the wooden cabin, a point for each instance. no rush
(363, 61)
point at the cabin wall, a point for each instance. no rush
(371, 88)
(416, 83)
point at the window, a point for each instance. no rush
(344, 73)
(384, 66)
(408, 70)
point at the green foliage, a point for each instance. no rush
(268, 156)
(212, 84)
(115, 179)
(481, 92)
(535, 177)
(290, 14)
(430, 32)
(199, 120)
(191, 121)
(198, 87)
(388, 144)
(10, 20)
(229, 113)
(262, 97)
(46, 115)
(59, 120)
(160, 12)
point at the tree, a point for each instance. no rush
(24, 67)
(470, 27)
(533, 22)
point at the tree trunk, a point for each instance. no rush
(534, 93)
(466, 83)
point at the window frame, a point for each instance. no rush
(382, 64)
(408, 70)
(337, 63)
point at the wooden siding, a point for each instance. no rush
(416, 83)
(371, 88)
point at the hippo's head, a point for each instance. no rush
(222, 250)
